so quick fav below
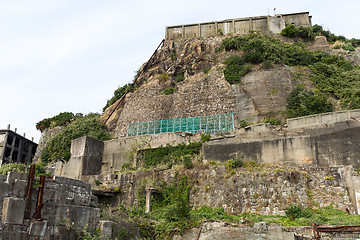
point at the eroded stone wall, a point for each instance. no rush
(263, 190)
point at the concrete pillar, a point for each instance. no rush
(199, 26)
(106, 228)
(148, 199)
(183, 31)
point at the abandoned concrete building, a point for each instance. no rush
(272, 24)
(15, 148)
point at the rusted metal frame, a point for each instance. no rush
(39, 204)
(144, 68)
(338, 229)
(317, 229)
(28, 193)
(315, 232)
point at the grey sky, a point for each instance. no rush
(70, 55)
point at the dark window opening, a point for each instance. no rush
(10, 140)
(26, 147)
(17, 142)
(15, 156)
(23, 158)
(33, 150)
(7, 152)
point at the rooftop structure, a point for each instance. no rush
(273, 24)
(15, 148)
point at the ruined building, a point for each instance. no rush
(15, 148)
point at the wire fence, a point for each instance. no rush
(210, 124)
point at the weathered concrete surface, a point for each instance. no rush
(67, 204)
(323, 120)
(273, 24)
(86, 158)
(13, 210)
(330, 146)
(91, 157)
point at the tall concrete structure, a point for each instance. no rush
(273, 24)
(15, 148)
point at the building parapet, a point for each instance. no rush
(272, 24)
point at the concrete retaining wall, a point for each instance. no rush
(322, 120)
(332, 148)
(67, 204)
(272, 24)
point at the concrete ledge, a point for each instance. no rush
(322, 119)
(73, 182)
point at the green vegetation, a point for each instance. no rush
(118, 93)
(23, 168)
(235, 69)
(12, 167)
(317, 30)
(303, 102)
(169, 91)
(334, 77)
(244, 123)
(59, 146)
(179, 78)
(234, 163)
(173, 56)
(205, 137)
(273, 121)
(62, 119)
(169, 155)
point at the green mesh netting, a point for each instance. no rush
(210, 124)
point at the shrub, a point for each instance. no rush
(253, 57)
(250, 164)
(348, 47)
(169, 90)
(168, 154)
(244, 123)
(179, 78)
(289, 31)
(205, 137)
(59, 146)
(303, 102)
(234, 163)
(295, 211)
(235, 69)
(173, 56)
(273, 121)
(164, 77)
(266, 64)
(61, 119)
(301, 31)
(12, 167)
(118, 93)
(127, 166)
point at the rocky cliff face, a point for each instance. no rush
(195, 72)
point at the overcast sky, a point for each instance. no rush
(70, 55)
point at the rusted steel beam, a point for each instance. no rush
(315, 232)
(29, 187)
(39, 204)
